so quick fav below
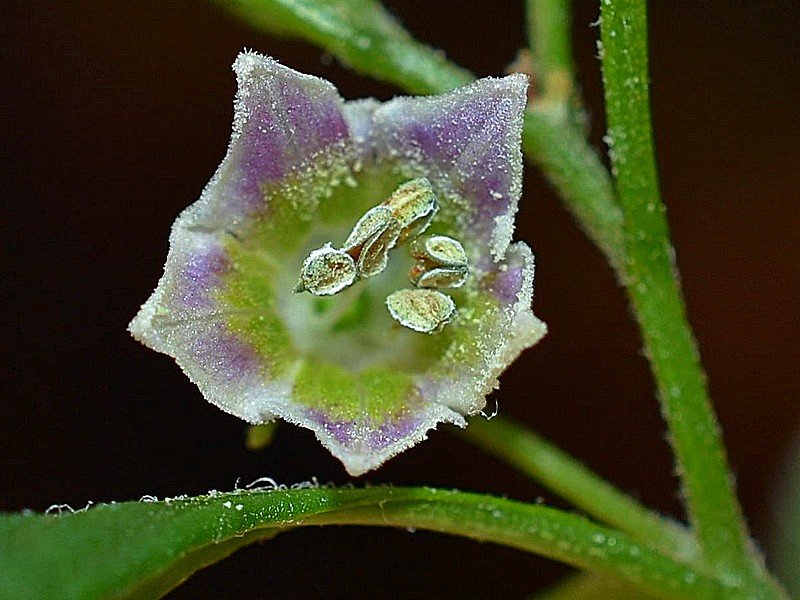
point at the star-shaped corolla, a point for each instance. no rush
(302, 170)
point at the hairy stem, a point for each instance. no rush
(558, 471)
(549, 38)
(561, 152)
(655, 293)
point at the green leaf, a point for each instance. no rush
(144, 549)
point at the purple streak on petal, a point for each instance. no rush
(442, 135)
(312, 126)
(467, 142)
(344, 432)
(223, 355)
(391, 432)
(507, 284)
(427, 138)
(366, 437)
(284, 120)
(200, 276)
(506, 280)
(262, 156)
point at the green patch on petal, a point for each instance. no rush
(329, 388)
(252, 313)
(386, 392)
(460, 341)
(343, 395)
(357, 315)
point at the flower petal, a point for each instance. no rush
(287, 126)
(467, 142)
(301, 169)
(289, 130)
(493, 337)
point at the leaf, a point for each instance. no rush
(145, 549)
(358, 32)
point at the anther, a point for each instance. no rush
(374, 254)
(326, 271)
(374, 221)
(414, 205)
(441, 263)
(422, 310)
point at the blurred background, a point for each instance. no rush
(115, 115)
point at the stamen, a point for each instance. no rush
(374, 255)
(446, 277)
(326, 271)
(426, 311)
(407, 212)
(441, 263)
(440, 260)
(414, 205)
(440, 249)
(374, 221)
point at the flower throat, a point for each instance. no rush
(440, 261)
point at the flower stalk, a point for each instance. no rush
(652, 283)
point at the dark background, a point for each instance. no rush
(114, 116)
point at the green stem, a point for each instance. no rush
(558, 471)
(653, 287)
(561, 152)
(556, 143)
(549, 30)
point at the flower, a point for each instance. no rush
(303, 285)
